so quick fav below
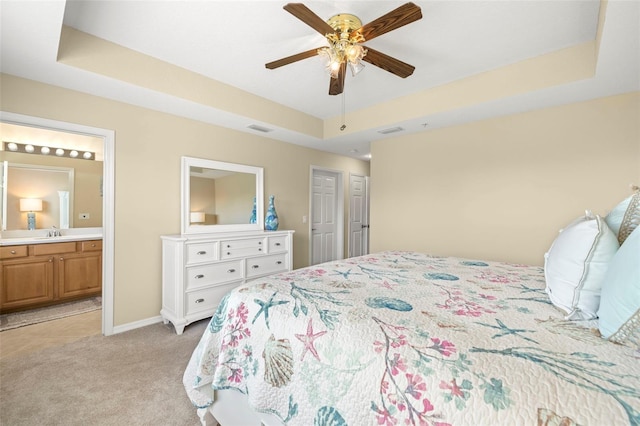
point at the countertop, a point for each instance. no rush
(40, 239)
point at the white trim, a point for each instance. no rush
(136, 324)
(108, 199)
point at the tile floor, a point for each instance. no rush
(23, 340)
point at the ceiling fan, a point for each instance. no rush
(345, 35)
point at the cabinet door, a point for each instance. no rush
(79, 274)
(25, 282)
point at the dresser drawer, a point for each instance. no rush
(277, 244)
(241, 248)
(201, 252)
(12, 252)
(215, 273)
(257, 266)
(205, 300)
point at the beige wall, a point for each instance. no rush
(148, 148)
(501, 189)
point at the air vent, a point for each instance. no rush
(260, 128)
(390, 130)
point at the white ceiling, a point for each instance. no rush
(230, 41)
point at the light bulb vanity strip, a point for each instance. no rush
(27, 148)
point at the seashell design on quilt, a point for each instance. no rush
(278, 362)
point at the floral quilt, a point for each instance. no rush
(404, 338)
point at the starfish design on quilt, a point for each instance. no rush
(309, 339)
(506, 331)
(265, 306)
(346, 274)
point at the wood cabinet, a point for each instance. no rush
(43, 274)
(198, 270)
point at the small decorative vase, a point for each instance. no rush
(271, 221)
(253, 218)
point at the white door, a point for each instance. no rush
(358, 215)
(325, 216)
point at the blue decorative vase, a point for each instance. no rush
(253, 218)
(271, 221)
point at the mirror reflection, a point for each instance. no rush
(70, 189)
(219, 196)
(37, 197)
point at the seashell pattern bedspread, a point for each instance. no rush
(404, 338)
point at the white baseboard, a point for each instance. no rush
(136, 324)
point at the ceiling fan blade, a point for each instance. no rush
(305, 14)
(336, 85)
(403, 15)
(387, 63)
(290, 59)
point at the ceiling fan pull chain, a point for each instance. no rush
(344, 126)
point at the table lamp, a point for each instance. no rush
(31, 205)
(197, 217)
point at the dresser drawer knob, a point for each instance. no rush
(199, 300)
(279, 262)
(259, 243)
(13, 252)
(231, 271)
(202, 253)
(228, 253)
(260, 249)
(278, 244)
(199, 276)
(228, 245)
(255, 266)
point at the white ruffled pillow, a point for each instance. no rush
(576, 264)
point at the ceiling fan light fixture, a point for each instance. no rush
(342, 51)
(356, 67)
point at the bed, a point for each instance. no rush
(402, 337)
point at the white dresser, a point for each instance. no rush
(198, 270)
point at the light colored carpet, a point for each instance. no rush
(133, 378)
(49, 313)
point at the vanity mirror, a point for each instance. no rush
(52, 188)
(219, 196)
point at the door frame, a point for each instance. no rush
(108, 198)
(339, 203)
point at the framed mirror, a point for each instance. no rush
(220, 197)
(52, 187)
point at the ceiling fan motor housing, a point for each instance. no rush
(345, 24)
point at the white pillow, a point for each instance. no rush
(575, 266)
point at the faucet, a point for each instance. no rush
(54, 232)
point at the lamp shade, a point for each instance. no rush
(30, 205)
(197, 217)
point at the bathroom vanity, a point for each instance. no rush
(42, 271)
